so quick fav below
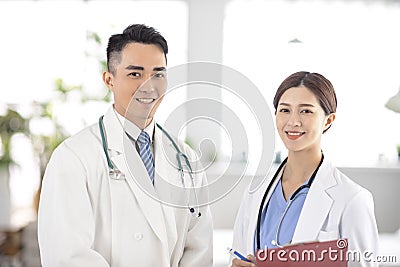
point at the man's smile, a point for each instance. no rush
(145, 100)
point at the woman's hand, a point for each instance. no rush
(240, 263)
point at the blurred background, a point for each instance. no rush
(53, 53)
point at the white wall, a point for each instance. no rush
(383, 183)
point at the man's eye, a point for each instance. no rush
(159, 75)
(134, 74)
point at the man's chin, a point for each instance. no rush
(138, 120)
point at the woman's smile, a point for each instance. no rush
(294, 135)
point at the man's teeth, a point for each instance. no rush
(294, 134)
(145, 100)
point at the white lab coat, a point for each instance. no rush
(87, 219)
(335, 207)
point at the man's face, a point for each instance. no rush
(139, 82)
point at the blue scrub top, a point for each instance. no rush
(272, 214)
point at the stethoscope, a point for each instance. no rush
(275, 242)
(116, 174)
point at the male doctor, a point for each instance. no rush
(88, 218)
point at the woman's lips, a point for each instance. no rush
(294, 135)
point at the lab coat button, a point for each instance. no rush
(138, 236)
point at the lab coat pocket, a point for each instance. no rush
(327, 235)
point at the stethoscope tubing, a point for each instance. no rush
(179, 155)
(104, 142)
(261, 208)
(291, 199)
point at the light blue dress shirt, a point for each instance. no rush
(273, 213)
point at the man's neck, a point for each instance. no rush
(141, 123)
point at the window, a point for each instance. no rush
(353, 43)
(46, 40)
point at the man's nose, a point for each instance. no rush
(147, 86)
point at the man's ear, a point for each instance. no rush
(331, 117)
(108, 78)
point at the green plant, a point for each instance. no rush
(10, 123)
(44, 144)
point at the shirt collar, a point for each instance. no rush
(134, 131)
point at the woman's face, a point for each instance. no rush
(300, 120)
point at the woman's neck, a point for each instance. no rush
(301, 165)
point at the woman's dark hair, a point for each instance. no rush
(320, 86)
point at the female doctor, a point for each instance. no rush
(307, 199)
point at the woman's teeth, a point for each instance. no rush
(294, 134)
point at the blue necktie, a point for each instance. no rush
(145, 153)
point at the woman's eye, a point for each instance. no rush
(284, 110)
(306, 111)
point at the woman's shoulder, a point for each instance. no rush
(345, 187)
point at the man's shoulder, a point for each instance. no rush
(84, 139)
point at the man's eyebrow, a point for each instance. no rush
(159, 69)
(132, 67)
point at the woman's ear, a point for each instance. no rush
(108, 78)
(329, 119)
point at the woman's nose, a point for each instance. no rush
(294, 120)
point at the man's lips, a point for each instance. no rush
(145, 100)
(294, 135)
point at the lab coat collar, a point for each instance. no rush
(314, 212)
(114, 131)
(132, 129)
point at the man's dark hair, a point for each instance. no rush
(135, 33)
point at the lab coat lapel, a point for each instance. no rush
(125, 157)
(316, 206)
(166, 175)
(257, 198)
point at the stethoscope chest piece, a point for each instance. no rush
(116, 174)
